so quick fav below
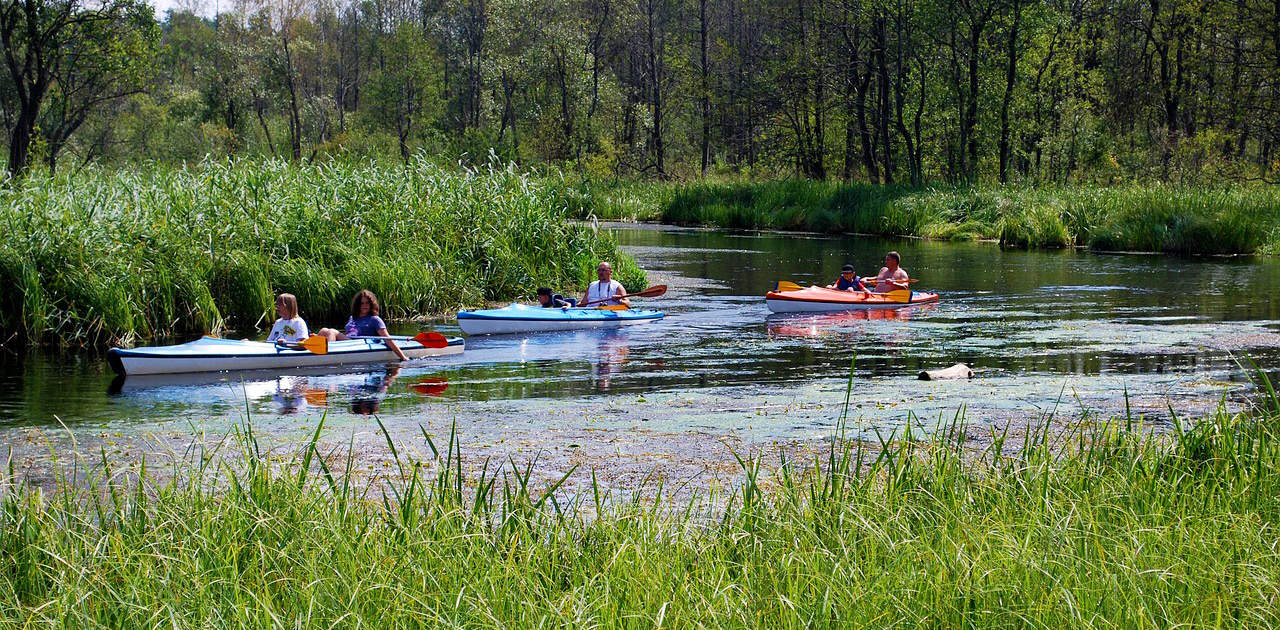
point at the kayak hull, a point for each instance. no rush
(521, 318)
(209, 354)
(822, 300)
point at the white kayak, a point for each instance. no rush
(522, 318)
(211, 354)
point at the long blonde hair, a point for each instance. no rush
(290, 304)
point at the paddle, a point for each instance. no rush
(653, 291)
(320, 345)
(784, 285)
(434, 386)
(427, 339)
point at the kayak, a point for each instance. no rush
(820, 299)
(211, 354)
(522, 318)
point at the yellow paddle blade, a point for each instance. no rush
(900, 295)
(315, 344)
(615, 307)
(783, 285)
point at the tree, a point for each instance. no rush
(403, 90)
(80, 52)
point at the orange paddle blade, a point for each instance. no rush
(653, 291)
(315, 344)
(317, 397)
(784, 285)
(615, 307)
(432, 340)
(430, 387)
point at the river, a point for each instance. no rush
(1050, 333)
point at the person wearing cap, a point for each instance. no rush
(848, 281)
(547, 299)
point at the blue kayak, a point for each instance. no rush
(522, 318)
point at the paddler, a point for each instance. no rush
(848, 281)
(548, 299)
(606, 289)
(891, 277)
(364, 322)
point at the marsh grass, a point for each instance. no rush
(1107, 525)
(1239, 220)
(105, 257)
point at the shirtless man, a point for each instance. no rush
(891, 276)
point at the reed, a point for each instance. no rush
(1237, 220)
(1106, 525)
(156, 252)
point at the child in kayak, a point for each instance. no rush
(547, 299)
(289, 328)
(364, 322)
(848, 281)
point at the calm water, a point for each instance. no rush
(1042, 328)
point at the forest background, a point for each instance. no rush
(875, 91)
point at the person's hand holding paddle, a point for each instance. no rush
(653, 291)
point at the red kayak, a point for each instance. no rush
(819, 299)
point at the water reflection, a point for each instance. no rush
(366, 397)
(844, 322)
(612, 352)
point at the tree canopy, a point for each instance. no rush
(885, 91)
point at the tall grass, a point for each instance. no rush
(1107, 526)
(147, 253)
(1240, 220)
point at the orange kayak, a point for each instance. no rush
(819, 299)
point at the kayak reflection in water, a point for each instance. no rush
(848, 281)
(547, 299)
(364, 322)
(367, 397)
(891, 277)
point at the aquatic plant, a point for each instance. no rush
(155, 252)
(1237, 220)
(1105, 524)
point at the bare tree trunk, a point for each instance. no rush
(705, 85)
(1011, 74)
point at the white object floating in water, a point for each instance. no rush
(958, 370)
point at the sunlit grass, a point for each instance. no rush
(1104, 526)
(147, 253)
(1237, 220)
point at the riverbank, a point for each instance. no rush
(104, 257)
(1170, 219)
(1102, 524)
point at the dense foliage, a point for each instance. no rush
(1103, 527)
(879, 91)
(1162, 218)
(161, 251)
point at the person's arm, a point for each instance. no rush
(276, 331)
(351, 329)
(390, 343)
(303, 331)
(620, 292)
